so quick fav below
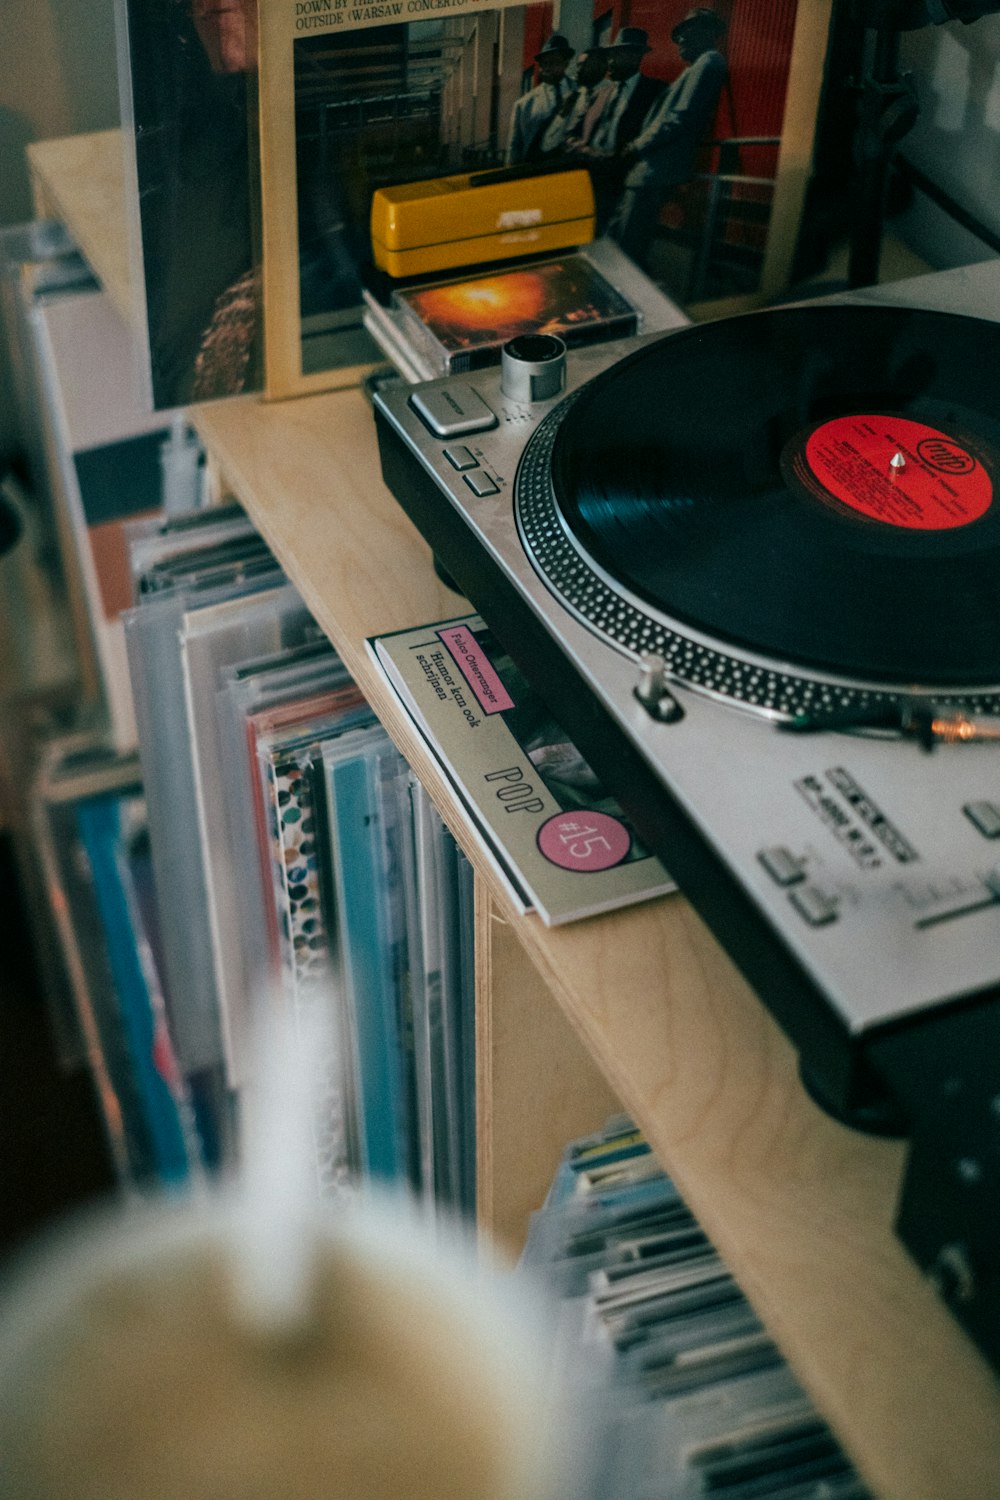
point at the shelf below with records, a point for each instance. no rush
(648, 1012)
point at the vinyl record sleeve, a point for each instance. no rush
(371, 934)
(211, 637)
(292, 819)
(266, 732)
(74, 960)
(157, 675)
(186, 84)
(107, 825)
(435, 951)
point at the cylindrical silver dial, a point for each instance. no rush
(533, 367)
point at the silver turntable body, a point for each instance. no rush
(878, 862)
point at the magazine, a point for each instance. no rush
(532, 796)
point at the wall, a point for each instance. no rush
(956, 141)
(58, 78)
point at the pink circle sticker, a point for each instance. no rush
(587, 841)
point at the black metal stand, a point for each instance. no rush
(887, 110)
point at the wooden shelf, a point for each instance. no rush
(643, 1007)
(80, 179)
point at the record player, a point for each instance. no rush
(754, 567)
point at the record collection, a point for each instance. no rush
(697, 1398)
(268, 850)
(749, 566)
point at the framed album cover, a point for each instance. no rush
(187, 72)
(405, 140)
(353, 100)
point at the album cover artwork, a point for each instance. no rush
(701, 187)
(464, 324)
(186, 80)
(257, 139)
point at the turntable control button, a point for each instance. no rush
(452, 410)
(967, 896)
(460, 458)
(985, 816)
(481, 485)
(782, 865)
(815, 905)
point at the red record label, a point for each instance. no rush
(896, 471)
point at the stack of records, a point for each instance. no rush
(299, 870)
(91, 838)
(701, 1400)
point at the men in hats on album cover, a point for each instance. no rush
(661, 154)
(626, 107)
(542, 106)
(593, 90)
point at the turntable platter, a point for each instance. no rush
(816, 487)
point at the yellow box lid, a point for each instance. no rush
(470, 205)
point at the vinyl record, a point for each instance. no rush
(818, 485)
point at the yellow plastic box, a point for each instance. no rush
(464, 220)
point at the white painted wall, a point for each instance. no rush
(956, 140)
(57, 77)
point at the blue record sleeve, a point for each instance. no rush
(103, 827)
(367, 943)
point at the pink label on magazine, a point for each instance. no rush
(582, 840)
(477, 669)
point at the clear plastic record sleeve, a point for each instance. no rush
(211, 637)
(163, 540)
(152, 635)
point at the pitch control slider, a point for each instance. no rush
(902, 717)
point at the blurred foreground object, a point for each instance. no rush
(130, 1368)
